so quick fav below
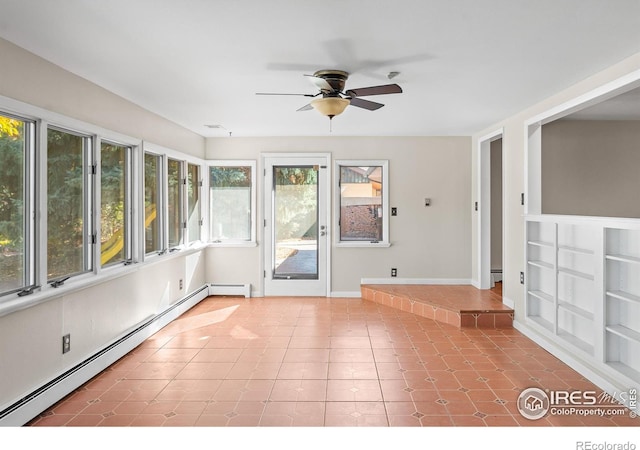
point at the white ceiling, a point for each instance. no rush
(464, 64)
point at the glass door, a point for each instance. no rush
(295, 225)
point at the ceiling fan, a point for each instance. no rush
(333, 99)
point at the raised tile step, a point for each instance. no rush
(460, 306)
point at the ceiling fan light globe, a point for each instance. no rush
(330, 106)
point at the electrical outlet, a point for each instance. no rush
(394, 211)
(180, 284)
(66, 343)
(521, 277)
(394, 272)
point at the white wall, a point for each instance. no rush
(426, 242)
(94, 315)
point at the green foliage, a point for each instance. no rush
(11, 183)
(65, 203)
(11, 202)
(296, 176)
(221, 177)
(296, 202)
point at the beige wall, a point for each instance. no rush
(426, 242)
(496, 204)
(591, 168)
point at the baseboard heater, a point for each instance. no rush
(230, 289)
(48, 394)
(496, 275)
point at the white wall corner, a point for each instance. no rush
(508, 302)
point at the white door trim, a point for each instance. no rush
(325, 175)
(484, 206)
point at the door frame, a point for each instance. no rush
(266, 214)
(484, 206)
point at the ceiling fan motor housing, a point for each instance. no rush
(335, 78)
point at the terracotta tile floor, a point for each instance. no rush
(313, 362)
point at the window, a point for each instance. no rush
(362, 199)
(144, 202)
(69, 196)
(232, 201)
(153, 238)
(16, 151)
(194, 209)
(115, 201)
(174, 202)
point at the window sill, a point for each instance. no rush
(15, 303)
(362, 244)
(234, 244)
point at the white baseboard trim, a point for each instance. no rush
(434, 281)
(33, 403)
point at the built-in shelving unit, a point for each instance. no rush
(583, 288)
(541, 268)
(622, 300)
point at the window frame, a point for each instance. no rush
(384, 164)
(252, 164)
(161, 208)
(180, 207)
(188, 239)
(130, 182)
(90, 215)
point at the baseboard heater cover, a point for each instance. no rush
(496, 275)
(48, 394)
(230, 289)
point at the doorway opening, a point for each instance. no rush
(490, 212)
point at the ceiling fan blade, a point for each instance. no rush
(375, 90)
(365, 104)
(306, 107)
(320, 83)
(276, 93)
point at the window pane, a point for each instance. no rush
(230, 192)
(113, 234)
(193, 202)
(12, 226)
(361, 203)
(295, 199)
(174, 202)
(153, 238)
(66, 188)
